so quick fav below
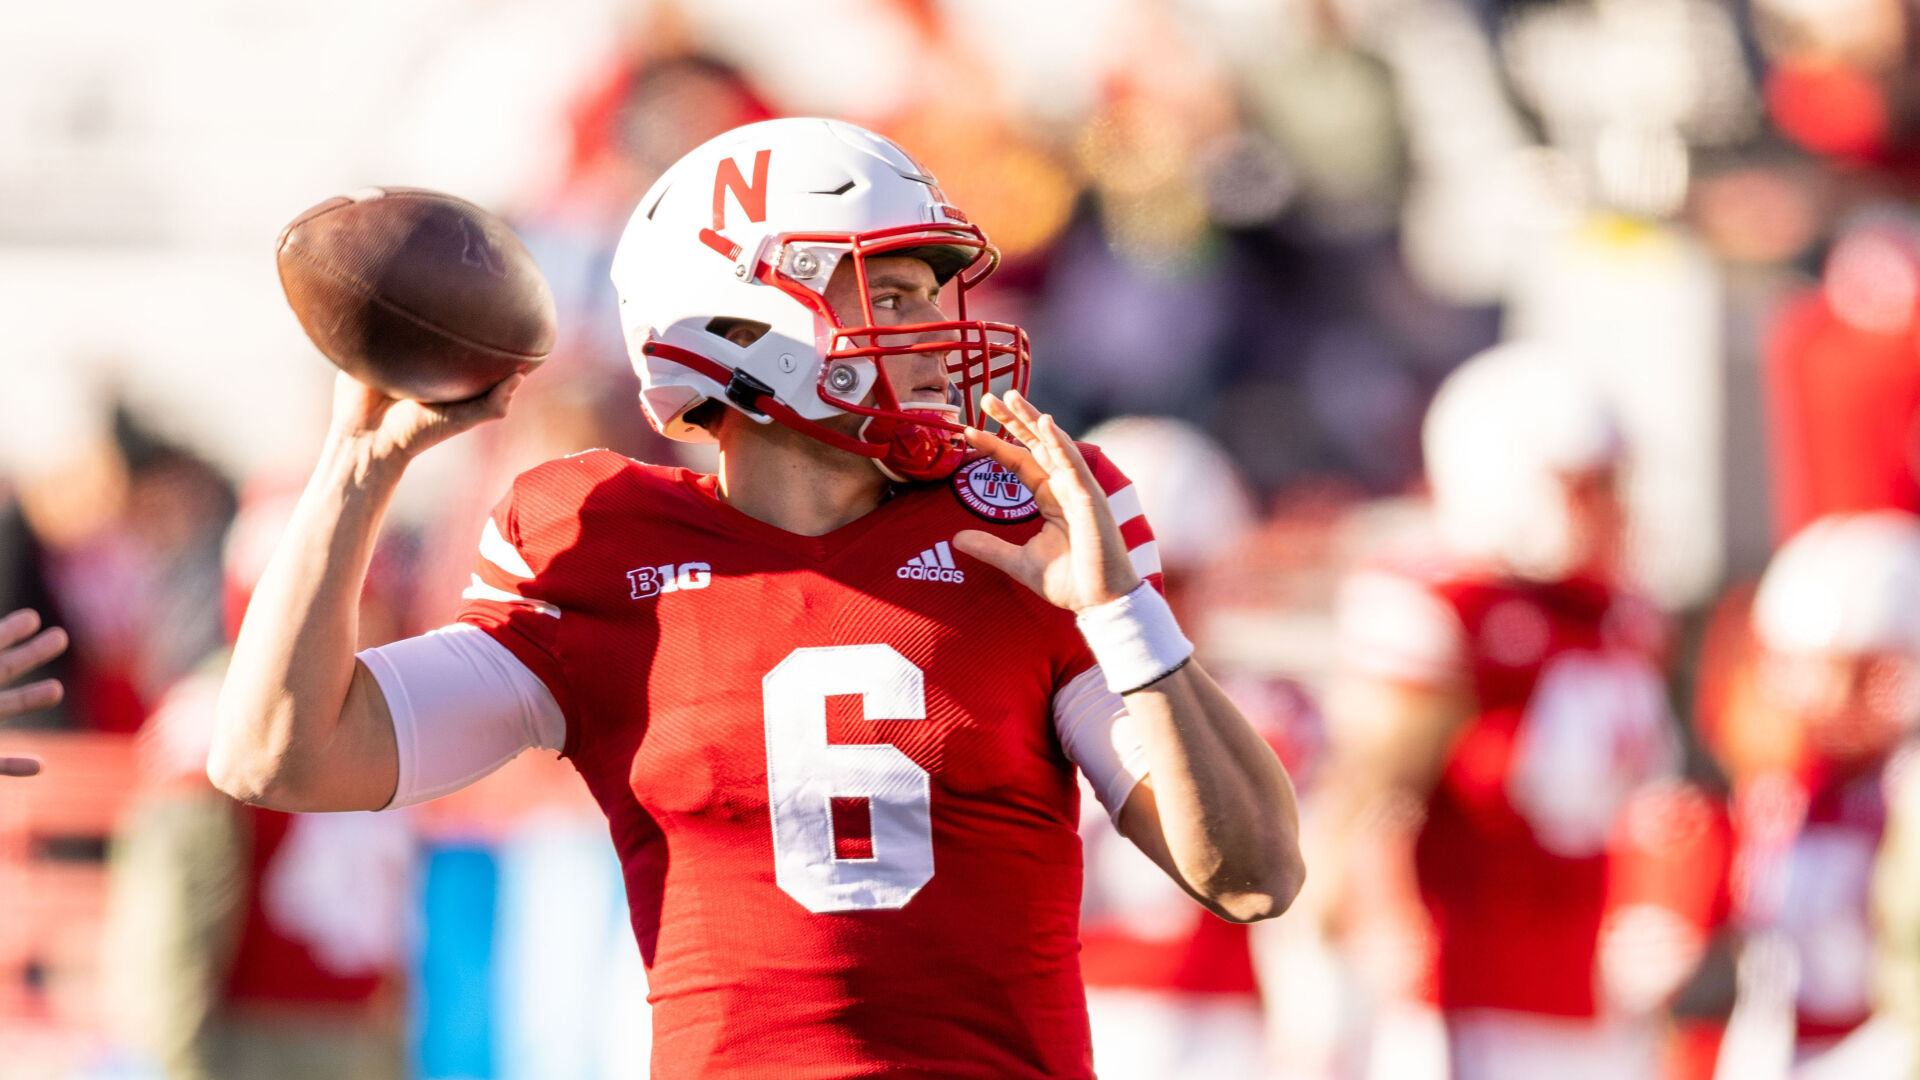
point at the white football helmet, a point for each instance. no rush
(1848, 584)
(1503, 433)
(748, 229)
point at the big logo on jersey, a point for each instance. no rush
(990, 490)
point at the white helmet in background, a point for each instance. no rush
(748, 229)
(1189, 488)
(1848, 584)
(1503, 434)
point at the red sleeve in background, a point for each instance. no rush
(1842, 406)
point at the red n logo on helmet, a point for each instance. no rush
(751, 197)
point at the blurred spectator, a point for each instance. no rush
(125, 533)
(242, 941)
(1843, 380)
(21, 651)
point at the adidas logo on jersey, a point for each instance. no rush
(933, 564)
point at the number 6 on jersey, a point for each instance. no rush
(805, 772)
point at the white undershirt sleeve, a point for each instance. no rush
(463, 705)
(1098, 735)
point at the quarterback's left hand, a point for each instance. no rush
(1077, 559)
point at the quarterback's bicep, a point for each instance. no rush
(462, 705)
(1099, 736)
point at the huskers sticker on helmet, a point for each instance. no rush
(990, 490)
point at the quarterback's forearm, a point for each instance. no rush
(285, 734)
(1225, 805)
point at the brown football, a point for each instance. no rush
(415, 293)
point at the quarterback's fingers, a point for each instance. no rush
(990, 549)
(502, 394)
(34, 695)
(491, 405)
(19, 766)
(1023, 410)
(1018, 461)
(37, 650)
(18, 626)
(357, 406)
(1013, 424)
(1054, 437)
(1021, 407)
(1072, 476)
(1020, 417)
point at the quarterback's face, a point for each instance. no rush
(902, 291)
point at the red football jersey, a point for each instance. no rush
(1571, 719)
(829, 764)
(1805, 874)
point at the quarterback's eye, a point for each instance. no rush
(893, 301)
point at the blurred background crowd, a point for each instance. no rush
(1250, 240)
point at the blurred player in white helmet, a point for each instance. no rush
(1836, 622)
(1507, 693)
(831, 699)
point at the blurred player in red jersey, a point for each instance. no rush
(242, 941)
(831, 711)
(1837, 674)
(1511, 691)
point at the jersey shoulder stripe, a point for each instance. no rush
(1129, 512)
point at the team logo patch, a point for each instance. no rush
(990, 490)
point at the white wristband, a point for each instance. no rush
(1135, 639)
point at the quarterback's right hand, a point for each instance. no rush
(389, 428)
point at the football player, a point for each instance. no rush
(22, 650)
(830, 699)
(1837, 622)
(1510, 691)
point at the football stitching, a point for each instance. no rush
(366, 292)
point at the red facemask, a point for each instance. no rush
(907, 443)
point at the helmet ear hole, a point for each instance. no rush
(741, 332)
(705, 415)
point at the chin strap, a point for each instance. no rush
(904, 450)
(915, 452)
